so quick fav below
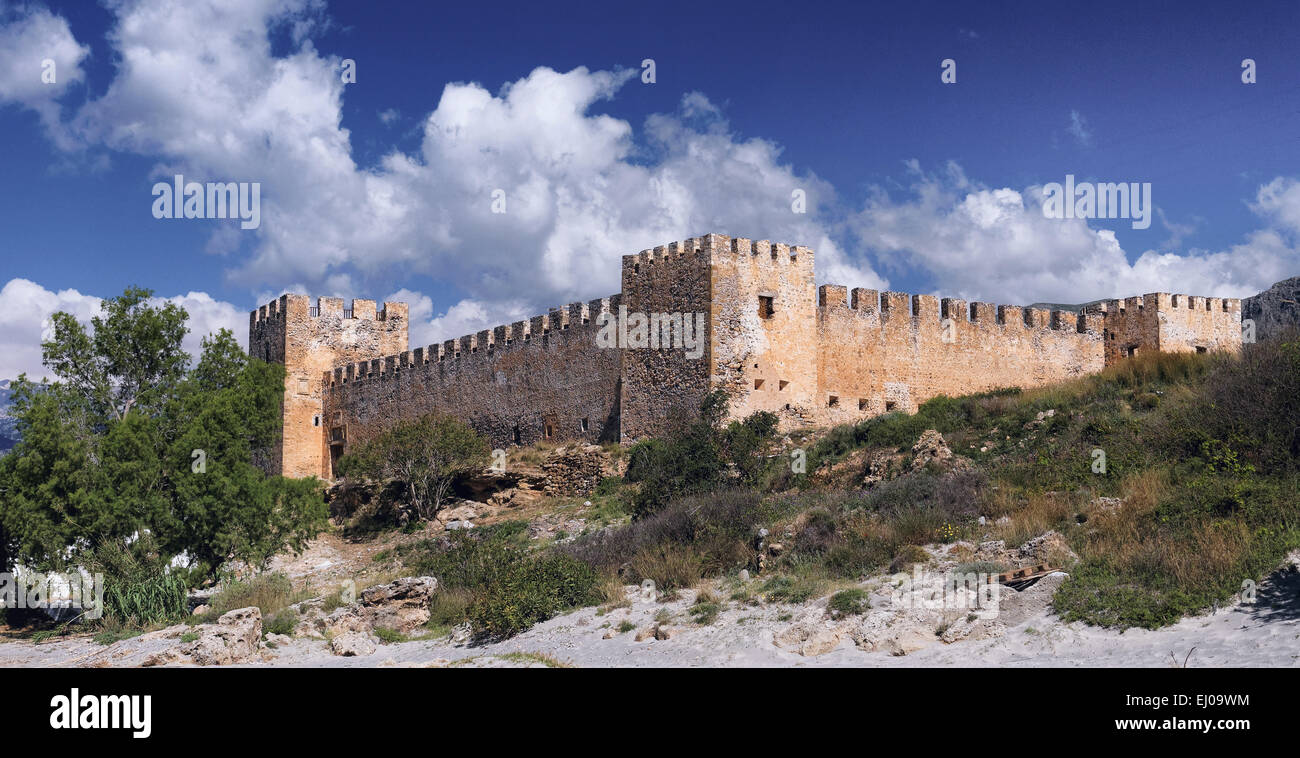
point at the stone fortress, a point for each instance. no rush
(815, 356)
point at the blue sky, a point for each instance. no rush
(381, 188)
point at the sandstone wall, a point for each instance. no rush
(765, 341)
(773, 340)
(1171, 324)
(545, 378)
(892, 352)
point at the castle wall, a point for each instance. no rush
(1171, 324)
(546, 378)
(659, 383)
(772, 339)
(765, 327)
(892, 352)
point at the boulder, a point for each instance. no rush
(350, 644)
(402, 605)
(235, 638)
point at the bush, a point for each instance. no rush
(139, 590)
(696, 455)
(269, 592)
(532, 591)
(283, 622)
(850, 602)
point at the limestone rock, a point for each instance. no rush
(402, 605)
(351, 644)
(1274, 309)
(235, 638)
(807, 638)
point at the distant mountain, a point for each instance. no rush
(1274, 309)
(1074, 307)
(8, 430)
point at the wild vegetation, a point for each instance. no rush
(136, 460)
(1199, 450)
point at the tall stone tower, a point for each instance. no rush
(310, 340)
(759, 301)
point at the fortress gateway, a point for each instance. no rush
(777, 342)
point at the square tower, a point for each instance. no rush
(310, 341)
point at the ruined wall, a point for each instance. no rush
(545, 378)
(309, 341)
(892, 352)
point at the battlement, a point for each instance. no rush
(1164, 301)
(538, 330)
(325, 307)
(773, 339)
(711, 249)
(896, 308)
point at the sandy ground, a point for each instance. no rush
(1266, 634)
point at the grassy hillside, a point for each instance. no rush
(1199, 478)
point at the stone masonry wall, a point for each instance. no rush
(658, 383)
(545, 378)
(893, 352)
(773, 340)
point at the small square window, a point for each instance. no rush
(758, 384)
(584, 425)
(1200, 349)
(315, 420)
(781, 384)
(833, 402)
(862, 404)
(890, 405)
(766, 306)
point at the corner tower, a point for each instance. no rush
(309, 340)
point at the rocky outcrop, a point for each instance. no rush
(401, 606)
(235, 638)
(1274, 309)
(931, 448)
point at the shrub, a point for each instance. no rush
(269, 592)
(532, 591)
(283, 622)
(850, 602)
(907, 556)
(139, 590)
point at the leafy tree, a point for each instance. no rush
(426, 455)
(129, 441)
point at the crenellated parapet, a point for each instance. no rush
(762, 330)
(895, 309)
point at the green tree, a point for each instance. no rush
(426, 455)
(128, 440)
